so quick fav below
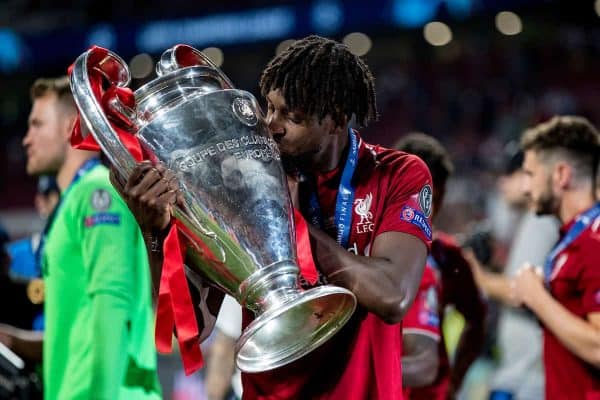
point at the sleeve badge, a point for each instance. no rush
(426, 200)
(101, 200)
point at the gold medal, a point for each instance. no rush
(35, 291)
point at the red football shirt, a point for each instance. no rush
(362, 361)
(575, 283)
(457, 287)
(423, 316)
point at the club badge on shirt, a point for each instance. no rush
(362, 208)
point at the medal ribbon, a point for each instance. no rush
(344, 199)
(582, 221)
(81, 171)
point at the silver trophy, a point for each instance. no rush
(237, 216)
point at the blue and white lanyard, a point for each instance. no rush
(345, 197)
(581, 223)
(84, 169)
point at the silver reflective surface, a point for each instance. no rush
(237, 216)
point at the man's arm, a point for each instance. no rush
(109, 318)
(580, 336)
(220, 366)
(420, 360)
(468, 349)
(493, 285)
(26, 344)
(386, 282)
(460, 284)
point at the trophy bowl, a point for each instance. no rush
(236, 217)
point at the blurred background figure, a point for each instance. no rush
(520, 373)
(561, 156)
(25, 262)
(447, 282)
(18, 379)
(223, 379)
(97, 303)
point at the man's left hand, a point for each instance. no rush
(528, 284)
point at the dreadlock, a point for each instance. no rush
(322, 77)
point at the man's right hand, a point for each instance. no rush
(150, 193)
(6, 336)
(25, 344)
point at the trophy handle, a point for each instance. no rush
(181, 56)
(114, 69)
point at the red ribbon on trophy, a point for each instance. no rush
(175, 307)
(121, 125)
(304, 253)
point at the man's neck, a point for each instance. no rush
(73, 161)
(574, 202)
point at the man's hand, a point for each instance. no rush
(528, 284)
(25, 344)
(496, 286)
(150, 193)
(6, 336)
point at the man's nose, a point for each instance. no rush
(27, 138)
(526, 186)
(274, 125)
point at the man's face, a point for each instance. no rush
(538, 184)
(45, 141)
(513, 190)
(299, 137)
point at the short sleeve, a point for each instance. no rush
(590, 275)
(110, 240)
(229, 320)
(409, 200)
(422, 317)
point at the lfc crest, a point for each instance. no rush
(362, 208)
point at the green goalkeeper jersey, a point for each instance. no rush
(98, 340)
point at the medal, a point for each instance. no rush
(35, 291)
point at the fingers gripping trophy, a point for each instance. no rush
(236, 216)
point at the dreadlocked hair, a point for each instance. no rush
(321, 77)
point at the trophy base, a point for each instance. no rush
(295, 328)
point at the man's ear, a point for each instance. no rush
(329, 124)
(68, 122)
(562, 175)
